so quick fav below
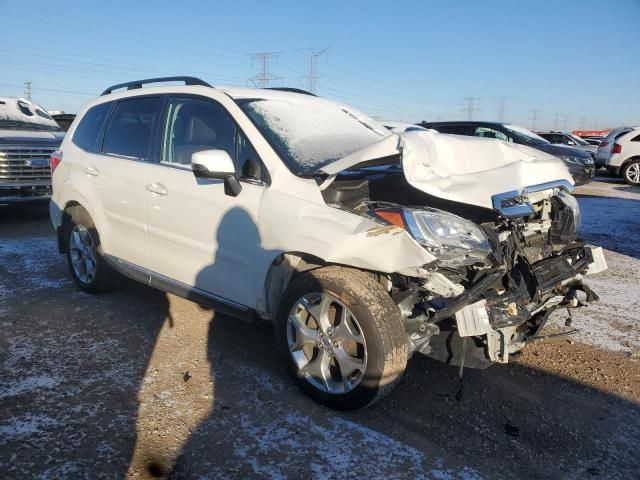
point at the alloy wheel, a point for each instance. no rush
(82, 251)
(326, 343)
(633, 173)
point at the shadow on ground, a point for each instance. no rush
(90, 384)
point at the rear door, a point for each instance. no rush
(118, 176)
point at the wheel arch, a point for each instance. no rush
(279, 274)
(66, 212)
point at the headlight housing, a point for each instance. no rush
(442, 233)
(575, 160)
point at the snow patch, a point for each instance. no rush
(31, 265)
(29, 424)
(28, 384)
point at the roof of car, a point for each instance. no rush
(135, 87)
(464, 122)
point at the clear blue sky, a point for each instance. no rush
(409, 60)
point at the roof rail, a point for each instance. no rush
(292, 89)
(139, 83)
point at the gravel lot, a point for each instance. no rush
(140, 384)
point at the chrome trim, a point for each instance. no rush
(523, 207)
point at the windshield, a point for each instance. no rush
(21, 114)
(308, 132)
(524, 135)
(578, 140)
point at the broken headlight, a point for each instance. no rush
(440, 232)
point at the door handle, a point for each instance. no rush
(157, 188)
(91, 170)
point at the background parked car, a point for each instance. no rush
(401, 127)
(28, 136)
(64, 120)
(593, 140)
(620, 153)
(579, 162)
(568, 139)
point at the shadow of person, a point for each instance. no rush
(260, 425)
(161, 428)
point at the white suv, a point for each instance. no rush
(361, 245)
(620, 153)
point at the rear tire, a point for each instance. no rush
(631, 172)
(85, 259)
(341, 336)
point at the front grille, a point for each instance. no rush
(14, 163)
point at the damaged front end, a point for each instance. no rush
(502, 300)
(504, 261)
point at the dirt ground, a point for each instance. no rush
(140, 384)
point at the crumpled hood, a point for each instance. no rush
(460, 168)
(30, 137)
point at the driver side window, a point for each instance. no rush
(194, 125)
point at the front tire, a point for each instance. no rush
(631, 172)
(341, 336)
(89, 269)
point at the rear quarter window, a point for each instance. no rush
(88, 130)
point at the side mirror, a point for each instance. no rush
(216, 164)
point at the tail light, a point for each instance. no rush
(617, 148)
(55, 159)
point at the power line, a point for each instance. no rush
(27, 90)
(534, 118)
(502, 106)
(312, 74)
(556, 121)
(471, 107)
(264, 78)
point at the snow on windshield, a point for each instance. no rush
(309, 132)
(526, 132)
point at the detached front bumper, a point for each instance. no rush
(509, 318)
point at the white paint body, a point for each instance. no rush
(165, 220)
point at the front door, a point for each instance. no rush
(198, 235)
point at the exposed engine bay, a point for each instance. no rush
(492, 290)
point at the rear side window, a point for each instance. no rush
(88, 130)
(455, 129)
(615, 134)
(636, 138)
(130, 128)
(487, 132)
